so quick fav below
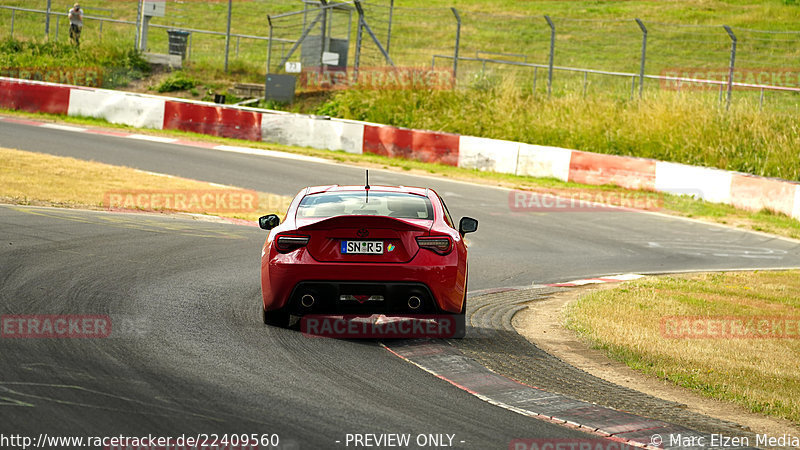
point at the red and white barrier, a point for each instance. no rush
(147, 111)
(426, 146)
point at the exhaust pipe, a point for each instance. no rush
(307, 301)
(414, 303)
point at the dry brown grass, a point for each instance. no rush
(29, 178)
(761, 374)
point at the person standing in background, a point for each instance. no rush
(75, 24)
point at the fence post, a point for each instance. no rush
(47, 20)
(644, 55)
(733, 63)
(138, 23)
(458, 44)
(388, 33)
(269, 47)
(359, 38)
(101, 30)
(228, 35)
(585, 82)
(552, 51)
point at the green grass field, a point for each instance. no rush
(594, 114)
(753, 370)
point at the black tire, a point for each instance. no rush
(461, 320)
(278, 318)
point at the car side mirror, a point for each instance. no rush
(467, 225)
(269, 222)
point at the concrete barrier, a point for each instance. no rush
(756, 193)
(488, 154)
(712, 185)
(625, 171)
(796, 210)
(32, 96)
(118, 107)
(213, 120)
(315, 132)
(426, 146)
(544, 162)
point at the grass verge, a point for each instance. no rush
(764, 221)
(664, 125)
(757, 373)
(28, 178)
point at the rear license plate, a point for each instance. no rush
(363, 247)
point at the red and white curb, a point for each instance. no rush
(600, 280)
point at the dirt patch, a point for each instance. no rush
(542, 323)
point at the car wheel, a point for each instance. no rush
(276, 318)
(461, 321)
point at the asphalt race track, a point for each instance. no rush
(188, 353)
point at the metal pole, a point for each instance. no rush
(644, 55)
(633, 86)
(47, 20)
(228, 35)
(552, 52)
(237, 45)
(733, 63)
(269, 46)
(585, 81)
(372, 35)
(359, 37)
(138, 23)
(324, 44)
(535, 73)
(761, 100)
(389, 33)
(101, 29)
(458, 44)
(269, 58)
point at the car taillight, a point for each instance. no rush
(286, 243)
(437, 244)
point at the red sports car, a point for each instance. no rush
(364, 250)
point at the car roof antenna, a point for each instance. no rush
(366, 187)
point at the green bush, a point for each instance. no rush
(178, 81)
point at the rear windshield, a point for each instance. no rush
(392, 204)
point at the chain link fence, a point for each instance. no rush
(622, 57)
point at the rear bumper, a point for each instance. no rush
(439, 282)
(361, 297)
